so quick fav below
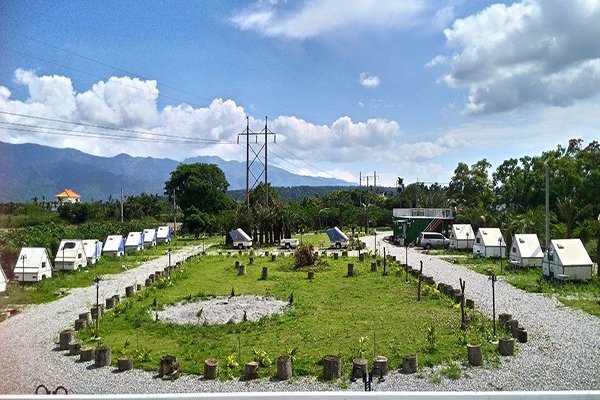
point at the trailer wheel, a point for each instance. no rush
(338, 245)
(288, 246)
(240, 246)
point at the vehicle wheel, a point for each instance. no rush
(288, 246)
(428, 246)
(338, 245)
(241, 246)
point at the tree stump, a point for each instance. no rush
(503, 318)
(211, 368)
(65, 338)
(86, 354)
(311, 275)
(474, 354)
(117, 299)
(350, 269)
(157, 275)
(266, 254)
(251, 370)
(361, 257)
(512, 326)
(94, 312)
(102, 357)
(381, 363)
(87, 317)
(284, 367)
(168, 368)
(335, 256)
(242, 270)
(273, 257)
(124, 364)
(110, 303)
(129, 290)
(265, 273)
(522, 335)
(138, 287)
(75, 348)
(151, 277)
(470, 303)
(237, 264)
(373, 267)
(359, 364)
(410, 364)
(332, 367)
(148, 282)
(344, 253)
(506, 346)
(80, 324)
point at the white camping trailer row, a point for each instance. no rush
(525, 251)
(462, 236)
(32, 265)
(70, 255)
(489, 243)
(567, 260)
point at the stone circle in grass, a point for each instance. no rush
(220, 310)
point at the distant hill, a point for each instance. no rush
(32, 170)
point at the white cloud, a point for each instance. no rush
(529, 52)
(330, 173)
(369, 81)
(437, 60)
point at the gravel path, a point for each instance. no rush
(563, 352)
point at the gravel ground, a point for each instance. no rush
(563, 352)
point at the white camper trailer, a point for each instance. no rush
(240, 239)
(70, 256)
(163, 234)
(149, 238)
(525, 251)
(33, 265)
(134, 241)
(3, 280)
(489, 243)
(114, 245)
(567, 260)
(462, 236)
(93, 250)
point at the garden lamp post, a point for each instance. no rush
(384, 271)
(467, 242)
(203, 248)
(169, 266)
(500, 240)
(97, 282)
(23, 257)
(63, 260)
(493, 279)
(375, 234)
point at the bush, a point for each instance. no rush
(305, 256)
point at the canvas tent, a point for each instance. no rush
(34, 264)
(114, 245)
(567, 259)
(240, 238)
(3, 280)
(149, 237)
(489, 243)
(163, 234)
(337, 238)
(462, 236)
(525, 251)
(70, 255)
(93, 250)
(134, 241)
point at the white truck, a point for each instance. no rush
(289, 243)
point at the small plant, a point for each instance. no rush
(199, 314)
(232, 292)
(245, 317)
(142, 354)
(124, 351)
(361, 349)
(291, 353)
(431, 339)
(262, 358)
(451, 371)
(291, 298)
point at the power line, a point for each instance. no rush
(303, 160)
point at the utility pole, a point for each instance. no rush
(546, 170)
(174, 214)
(121, 206)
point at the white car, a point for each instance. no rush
(289, 243)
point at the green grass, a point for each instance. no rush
(329, 316)
(61, 281)
(580, 295)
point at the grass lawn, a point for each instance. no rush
(329, 315)
(61, 281)
(579, 295)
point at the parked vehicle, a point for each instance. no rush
(337, 238)
(289, 243)
(430, 240)
(240, 239)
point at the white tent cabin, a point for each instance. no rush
(525, 251)
(3, 280)
(489, 243)
(93, 250)
(34, 263)
(149, 237)
(70, 255)
(567, 260)
(114, 246)
(163, 234)
(239, 238)
(462, 236)
(134, 241)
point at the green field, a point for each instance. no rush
(329, 315)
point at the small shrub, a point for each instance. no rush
(262, 358)
(431, 339)
(304, 256)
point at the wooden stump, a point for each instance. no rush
(506, 346)
(332, 367)
(373, 267)
(94, 311)
(242, 270)
(138, 287)
(522, 335)
(237, 264)
(503, 318)
(359, 364)
(124, 364)
(311, 275)
(265, 273)
(86, 354)
(361, 257)
(75, 348)
(344, 253)
(350, 269)
(381, 363)
(470, 304)
(110, 303)
(148, 282)
(65, 338)
(474, 354)
(284, 367)
(129, 290)
(410, 364)
(117, 299)
(102, 357)
(80, 324)
(157, 274)
(251, 370)
(168, 367)
(151, 277)
(211, 368)
(273, 257)
(335, 256)
(512, 326)
(87, 317)
(266, 254)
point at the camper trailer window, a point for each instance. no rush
(79, 255)
(43, 264)
(514, 249)
(477, 240)
(69, 245)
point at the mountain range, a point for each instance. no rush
(34, 171)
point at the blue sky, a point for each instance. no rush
(404, 88)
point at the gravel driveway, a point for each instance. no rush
(563, 352)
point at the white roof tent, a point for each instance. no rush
(3, 280)
(134, 241)
(149, 237)
(525, 250)
(93, 250)
(114, 245)
(489, 243)
(238, 235)
(567, 259)
(337, 238)
(32, 265)
(462, 236)
(163, 234)
(70, 255)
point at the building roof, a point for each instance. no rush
(529, 245)
(461, 230)
(571, 252)
(68, 194)
(490, 236)
(149, 235)
(134, 239)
